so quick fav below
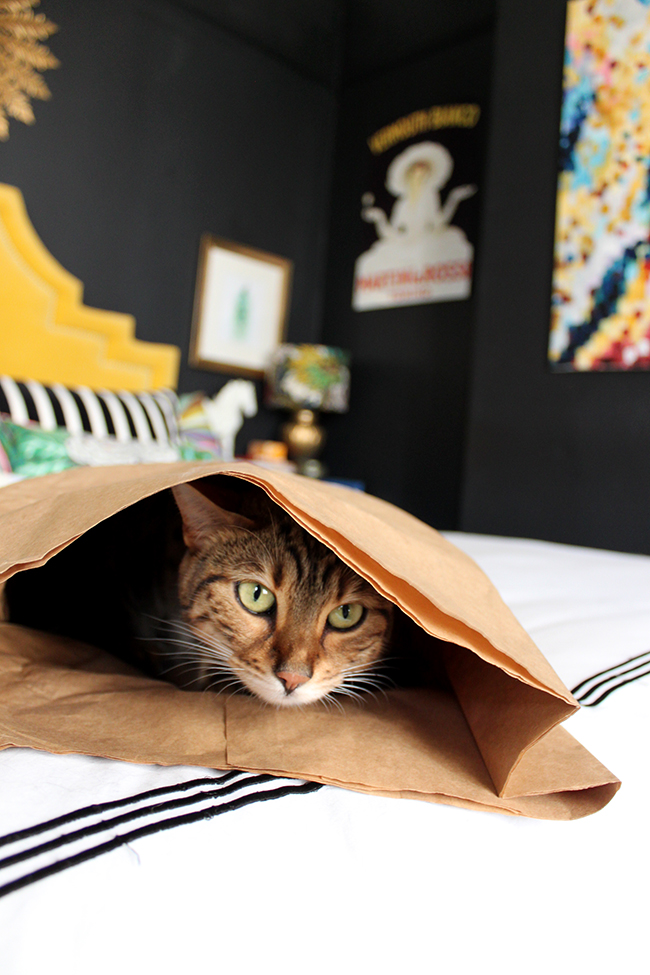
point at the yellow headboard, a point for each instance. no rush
(48, 334)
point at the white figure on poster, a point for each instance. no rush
(419, 256)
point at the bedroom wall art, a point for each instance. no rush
(22, 57)
(240, 309)
(600, 318)
(422, 167)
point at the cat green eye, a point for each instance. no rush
(255, 597)
(345, 616)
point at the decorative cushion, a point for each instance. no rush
(146, 417)
(45, 429)
(30, 451)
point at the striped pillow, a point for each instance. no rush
(145, 417)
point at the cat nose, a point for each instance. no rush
(291, 680)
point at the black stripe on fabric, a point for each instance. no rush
(56, 406)
(148, 419)
(139, 813)
(129, 418)
(169, 411)
(107, 416)
(28, 399)
(615, 687)
(168, 421)
(168, 415)
(610, 670)
(158, 827)
(101, 807)
(615, 677)
(83, 412)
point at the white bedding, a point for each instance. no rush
(323, 880)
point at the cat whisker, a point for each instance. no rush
(170, 624)
(208, 639)
(294, 707)
(361, 686)
(201, 643)
(372, 678)
(329, 699)
(180, 666)
(234, 687)
(363, 697)
(374, 671)
(349, 692)
(165, 642)
(222, 650)
(370, 685)
(225, 684)
(177, 626)
(195, 680)
(196, 650)
(224, 673)
(191, 655)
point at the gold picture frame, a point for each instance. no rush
(241, 306)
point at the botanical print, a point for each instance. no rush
(601, 282)
(240, 308)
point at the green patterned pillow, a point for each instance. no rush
(31, 451)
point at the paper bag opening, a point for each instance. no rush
(458, 643)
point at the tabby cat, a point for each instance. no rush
(263, 600)
(233, 595)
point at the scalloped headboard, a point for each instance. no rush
(48, 334)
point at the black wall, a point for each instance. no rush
(172, 118)
(163, 125)
(410, 364)
(562, 457)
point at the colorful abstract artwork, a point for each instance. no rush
(601, 282)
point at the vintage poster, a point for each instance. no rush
(600, 318)
(418, 210)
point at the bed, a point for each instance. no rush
(110, 865)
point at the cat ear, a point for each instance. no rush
(202, 517)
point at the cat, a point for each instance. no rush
(234, 595)
(267, 604)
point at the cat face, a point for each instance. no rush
(274, 609)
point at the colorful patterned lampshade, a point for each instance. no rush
(313, 377)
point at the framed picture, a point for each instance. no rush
(240, 307)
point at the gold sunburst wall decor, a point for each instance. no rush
(22, 57)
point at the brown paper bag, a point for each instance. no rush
(487, 738)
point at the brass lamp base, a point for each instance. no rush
(305, 440)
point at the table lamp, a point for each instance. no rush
(307, 379)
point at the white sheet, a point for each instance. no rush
(334, 880)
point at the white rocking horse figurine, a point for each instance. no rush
(225, 412)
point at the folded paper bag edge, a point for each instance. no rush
(153, 478)
(150, 479)
(554, 704)
(35, 647)
(550, 681)
(423, 735)
(140, 481)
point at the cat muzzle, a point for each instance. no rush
(291, 680)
